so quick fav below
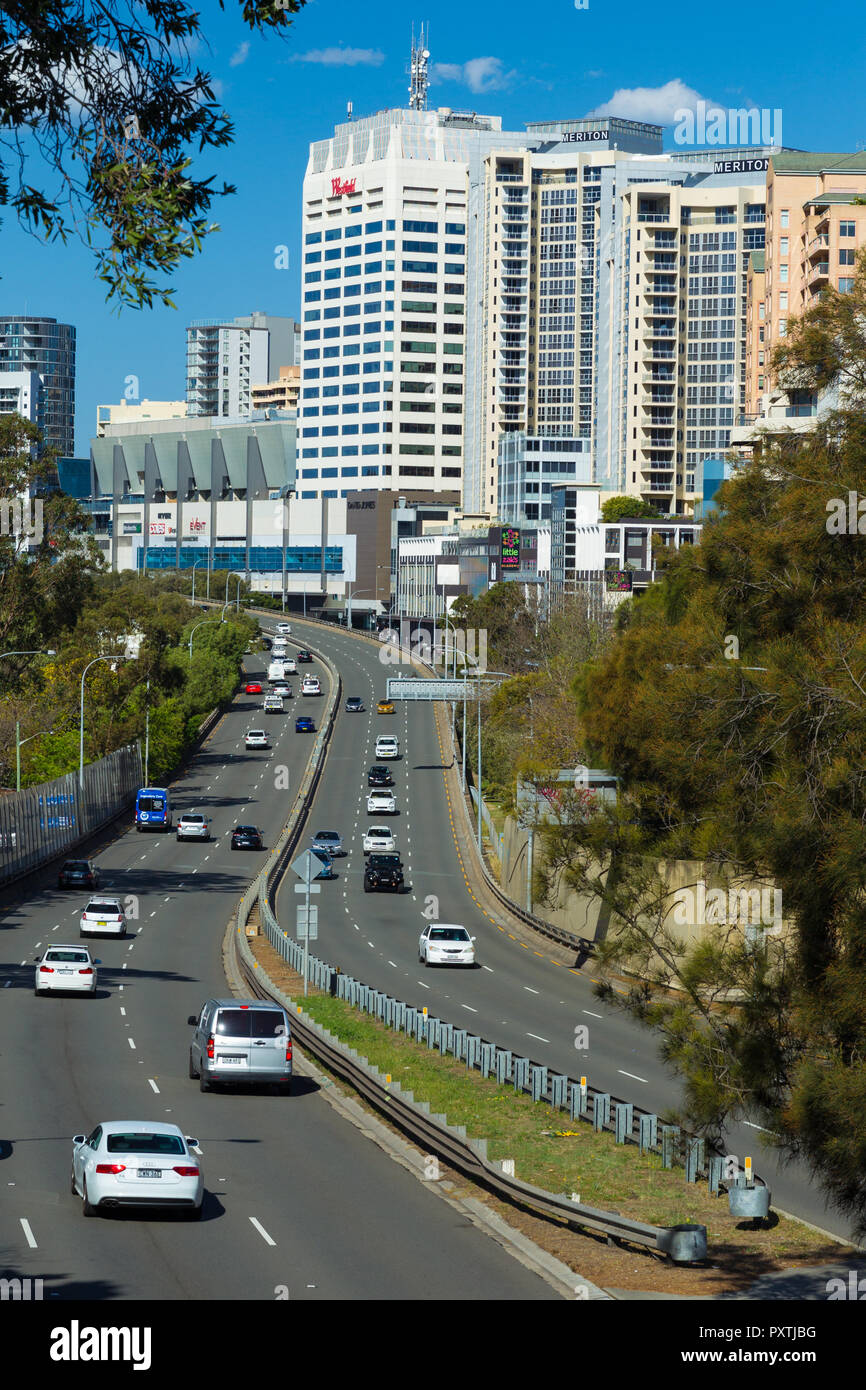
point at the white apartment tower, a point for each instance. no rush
(225, 358)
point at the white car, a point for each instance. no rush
(192, 825)
(273, 704)
(284, 629)
(103, 917)
(379, 839)
(137, 1163)
(290, 666)
(387, 746)
(381, 803)
(445, 943)
(256, 738)
(65, 968)
(311, 686)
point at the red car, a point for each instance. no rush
(253, 688)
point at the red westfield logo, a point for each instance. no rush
(341, 186)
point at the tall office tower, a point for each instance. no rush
(29, 344)
(392, 267)
(225, 358)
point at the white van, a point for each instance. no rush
(276, 671)
(279, 648)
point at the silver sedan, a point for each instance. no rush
(137, 1163)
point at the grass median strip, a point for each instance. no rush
(553, 1152)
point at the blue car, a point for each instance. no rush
(327, 870)
(304, 725)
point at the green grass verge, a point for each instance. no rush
(614, 1177)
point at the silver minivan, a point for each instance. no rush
(247, 1041)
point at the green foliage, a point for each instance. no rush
(104, 96)
(733, 708)
(615, 508)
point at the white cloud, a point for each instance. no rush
(657, 105)
(342, 57)
(239, 56)
(478, 74)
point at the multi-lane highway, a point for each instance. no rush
(297, 1201)
(520, 997)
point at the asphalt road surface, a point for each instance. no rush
(296, 1199)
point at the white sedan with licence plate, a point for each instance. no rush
(311, 686)
(446, 943)
(103, 917)
(63, 968)
(137, 1163)
(379, 839)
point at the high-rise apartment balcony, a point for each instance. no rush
(662, 261)
(662, 241)
(660, 308)
(654, 216)
(817, 274)
(817, 246)
(660, 284)
(660, 378)
(507, 395)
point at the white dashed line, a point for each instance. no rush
(122, 1011)
(537, 1038)
(531, 991)
(153, 1086)
(632, 1076)
(131, 1043)
(30, 1237)
(469, 1007)
(592, 1015)
(262, 1232)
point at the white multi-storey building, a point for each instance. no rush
(226, 358)
(390, 264)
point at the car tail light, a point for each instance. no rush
(111, 1167)
(49, 969)
(210, 1047)
(289, 1052)
(88, 970)
(186, 1172)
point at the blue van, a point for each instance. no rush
(152, 809)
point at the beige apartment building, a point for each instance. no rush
(281, 394)
(685, 257)
(756, 347)
(814, 229)
(133, 412)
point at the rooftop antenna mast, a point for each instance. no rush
(419, 80)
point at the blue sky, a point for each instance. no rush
(523, 63)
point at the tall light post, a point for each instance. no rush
(46, 651)
(194, 568)
(147, 731)
(19, 744)
(81, 716)
(204, 623)
(241, 578)
(351, 595)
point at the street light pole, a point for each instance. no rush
(194, 568)
(81, 715)
(19, 744)
(147, 731)
(202, 624)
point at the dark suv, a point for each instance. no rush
(380, 777)
(383, 871)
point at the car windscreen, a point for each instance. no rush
(385, 861)
(76, 866)
(69, 957)
(250, 1023)
(144, 1143)
(192, 820)
(246, 830)
(449, 934)
(151, 803)
(100, 907)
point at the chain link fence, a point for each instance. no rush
(42, 822)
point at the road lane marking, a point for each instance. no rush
(122, 1011)
(31, 1239)
(632, 1076)
(422, 984)
(153, 1086)
(588, 1011)
(469, 1007)
(537, 1038)
(131, 1043)
(262, 1232)
(531, 991)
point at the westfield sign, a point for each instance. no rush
(341, 186)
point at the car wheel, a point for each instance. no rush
(193, 1075)
(366, 886)
(36, 991)
(203, 1083)
(87, 1208)
(426, 962)
(72, 1188)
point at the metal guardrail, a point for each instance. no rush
(683, 1244)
